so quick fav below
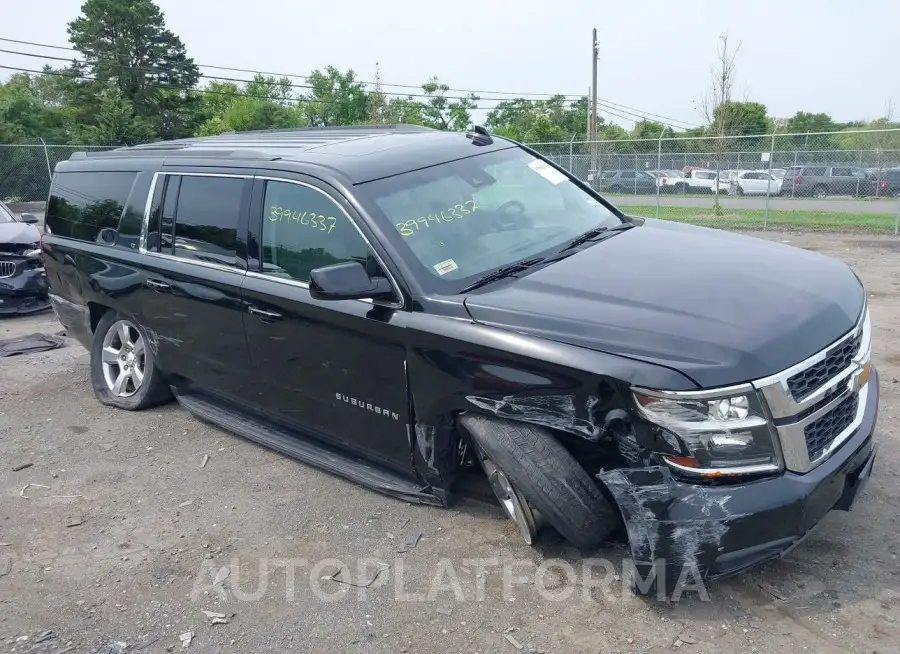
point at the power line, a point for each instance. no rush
(569, 97)
(245, 81)
(306, 77)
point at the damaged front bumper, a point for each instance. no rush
(675, 527)
(24, 291)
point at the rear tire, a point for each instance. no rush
(820, 192)
(123, 370)
(542, 471)
(615, 189)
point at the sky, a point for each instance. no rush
(655, 56)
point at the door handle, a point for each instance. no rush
(157, 285)
(264, 314)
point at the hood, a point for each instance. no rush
(721, 308)
(19, 233)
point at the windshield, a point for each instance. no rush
(462, 219)
(5, 215)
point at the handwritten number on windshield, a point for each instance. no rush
(448, 215)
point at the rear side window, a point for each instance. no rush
(814, 170)
(705, 175)
(88, 206)
(206, 219)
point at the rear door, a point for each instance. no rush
(336, 369)
(842, 181)
(195, 265)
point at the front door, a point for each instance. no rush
(336, 369)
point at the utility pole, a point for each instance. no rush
(595, 55)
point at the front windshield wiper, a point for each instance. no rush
(506, 271)
(591, 234)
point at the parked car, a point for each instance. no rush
(667, 179)
(627, 181)
(889, 184)
(399, 306)
(778, 173)
(698, 180)
(23, 283)
(822, 181)
(755, 182)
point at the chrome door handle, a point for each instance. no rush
(264, 314)
(157, 285)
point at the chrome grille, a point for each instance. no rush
(818, 403)
(820, 433)
(7, 268)
(837, 359)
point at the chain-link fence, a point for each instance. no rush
(25, 170)
(835, 180)
(846, 180)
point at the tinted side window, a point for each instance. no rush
(627, 174)
(304, 229)
(841, 172)
(206, 219)
(87, 206)
(814, 170)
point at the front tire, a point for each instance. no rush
(539, 470)
(123, 370)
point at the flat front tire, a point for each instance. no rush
(536, 479)
(123, 370)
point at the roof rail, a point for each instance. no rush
(180, 152)
(336, 128)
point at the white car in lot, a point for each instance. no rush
(755, 182)
(698, 180)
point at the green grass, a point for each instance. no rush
(778, 219)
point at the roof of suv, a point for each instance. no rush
(361, 153)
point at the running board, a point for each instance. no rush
(313, 452)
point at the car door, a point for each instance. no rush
(195, 264)
(753, 184)
(335, 369)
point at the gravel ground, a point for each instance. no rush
(131, 538)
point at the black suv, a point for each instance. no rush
(400, 306)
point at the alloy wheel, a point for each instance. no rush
(516, 507)
(123, 358)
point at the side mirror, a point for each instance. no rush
(346, 281)
(29, 218)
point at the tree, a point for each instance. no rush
(720, 111)
(377, 100)
(803, 122)
(116, 122)
(742, 118)
(440, 113)
(407, 111)
(125, 43)
(336, 98)
(263, 103)
(539, 121)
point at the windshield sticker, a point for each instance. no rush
(547, 171)
(307, 218)
(445, 267)
(448, 215)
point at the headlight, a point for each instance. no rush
(719, 432)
